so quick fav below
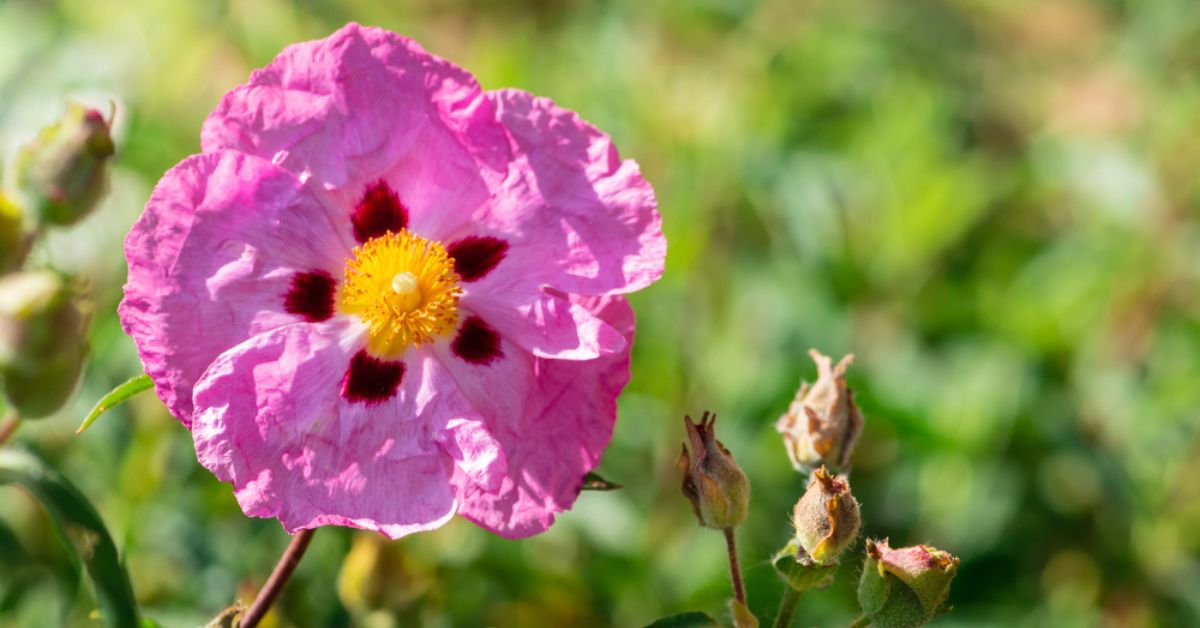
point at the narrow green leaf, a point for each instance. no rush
(82, 528)
(692, 619)
(116, 397)
(593, 482)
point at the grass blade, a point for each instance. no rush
(82, 528)
(116, 397)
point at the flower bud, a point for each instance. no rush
(42, 343)
(826, 517)
(12, 235)
(375, 575)
(712, 481)
(904, 587)
(822, 422)
(63, 171)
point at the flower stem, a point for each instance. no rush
(787, 607)
(9, 427)
(279, 577)
(735, 570)
(862, 620)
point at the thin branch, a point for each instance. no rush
(9, 427)
(735, 570)
(279, 577)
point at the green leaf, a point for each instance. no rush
(82, 528)
(116, 397)
(801, 572)
(692, 619)
(593, 482)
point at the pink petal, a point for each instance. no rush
(479, 457)
(547, 324)
(552, 418)
(211, 260)
(363, 105)
(577, 218)
(269, 418)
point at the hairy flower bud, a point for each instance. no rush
(63, 171)
(826, 517)
(712, 480)
(904, 587)
(12, 235)
(42, 343)
(822, 423)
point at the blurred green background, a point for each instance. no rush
(993, 203)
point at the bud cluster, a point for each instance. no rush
(899, 588)
(60, 177)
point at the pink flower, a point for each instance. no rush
(382, 296)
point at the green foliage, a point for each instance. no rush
(81, 528)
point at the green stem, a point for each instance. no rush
(735, 570)
(862, 620)
(787, 607)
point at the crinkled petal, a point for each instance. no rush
(269, 419)
(577, 218)
(478, 457)
(211, 259)
(552, 418)
(549, 325)
(362, 105)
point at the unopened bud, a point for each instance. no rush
(712, 480)
(42, 343)
(63, 171)
(826, 517)
(822, 423)
(372, 574)
(12, 235)
(904, 587)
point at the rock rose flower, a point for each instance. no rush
(381, 296)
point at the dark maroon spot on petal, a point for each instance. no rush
(476, 256)
(311, 295)
(371, 380)
(476, 342)
(378, 212)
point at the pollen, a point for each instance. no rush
(404, 288)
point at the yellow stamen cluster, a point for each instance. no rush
(404, 288)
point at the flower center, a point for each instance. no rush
(404, 288)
